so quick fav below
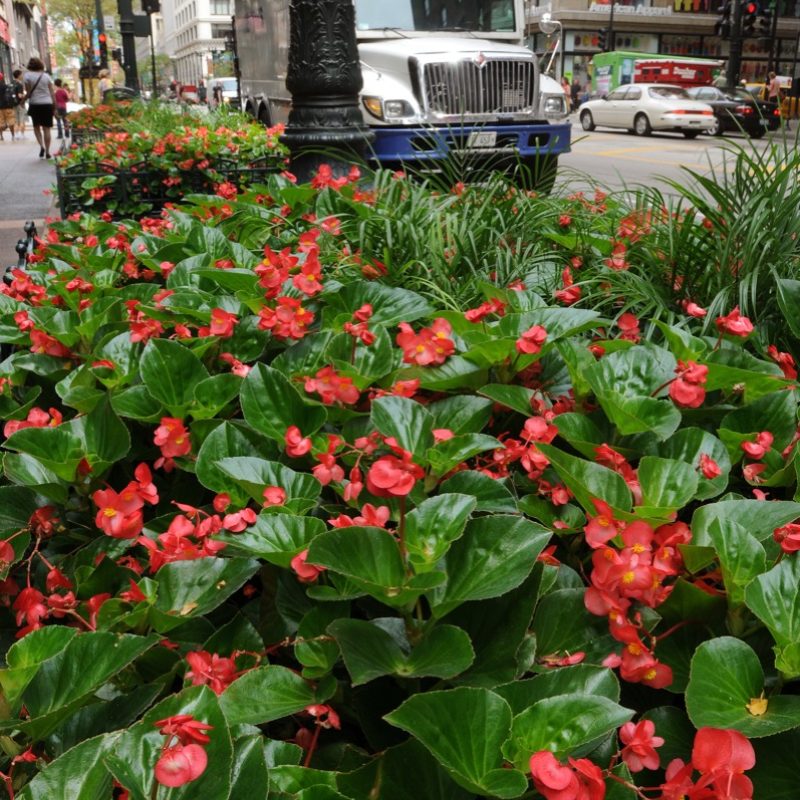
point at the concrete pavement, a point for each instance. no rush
(24, 179)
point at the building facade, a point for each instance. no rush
(673, 27)
(201, 31)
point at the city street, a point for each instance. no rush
(615, 158)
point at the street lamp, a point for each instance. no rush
(324, 79)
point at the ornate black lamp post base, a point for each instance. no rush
(324, 78)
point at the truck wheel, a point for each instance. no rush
(537, 172)
(641, 125)
(587, 123)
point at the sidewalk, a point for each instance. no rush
(24, 177)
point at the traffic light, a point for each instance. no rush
(116, 54)
(151, 6)
(602, 39)
(722, 27)
(764, 22)
(749, 16)
(102, 40)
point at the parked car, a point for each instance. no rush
(646, 107)
(737, 110)
(771, 109)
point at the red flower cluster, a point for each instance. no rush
(306, 573)
(172, 437)
(788, 537)
(785, 361)
(640, 742)
(634, 573)
(37, 418)
(688, 389)
(721, 757)
(288, 320)
(532, 340)
(333, 387)
(212, 670)
(579, 779)
(493, 306)
(359, 328)
(431, 346)
(393, 476)
(120, 514)
(570, 293)
(188, 535)
(734, 324)
(185, 760)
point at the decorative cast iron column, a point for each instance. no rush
(324, 78)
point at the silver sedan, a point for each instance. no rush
(646, 107)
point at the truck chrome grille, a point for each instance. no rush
(465, 88)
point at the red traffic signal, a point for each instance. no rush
(750, 8)
(102, 38)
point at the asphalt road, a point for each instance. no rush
(615, 159)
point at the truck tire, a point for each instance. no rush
(537, 172)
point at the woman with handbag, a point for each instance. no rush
(41, 102)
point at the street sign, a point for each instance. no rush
(109, 22)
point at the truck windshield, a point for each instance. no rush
(436, 15)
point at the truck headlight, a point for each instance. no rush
(554, 104)
(397, 108)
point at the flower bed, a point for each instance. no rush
(134, 173)
(271, 517)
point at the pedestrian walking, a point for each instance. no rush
(202, 92)
(105, 83)
(8, 119)
(567, 92)
(21, 108)
(41, 103)
(774, 88)
(217, 95)
(575, 91)
(62, 98)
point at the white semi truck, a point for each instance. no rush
(440, 77)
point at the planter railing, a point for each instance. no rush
(80, 136)
(145, 187)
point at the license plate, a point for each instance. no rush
(763, 122)
(479, 139)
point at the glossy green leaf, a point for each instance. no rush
(405, 420)
(688, 444)
(265, 694)
(517, 398)
(774, 597)
(367, 554)
(758, 518)
(171, 372)
(579, 679)
(562, 724)
(276, 538)
(250, 777)
(381, 647)
(775, 774)
(193, 588)
(79, 773)
(255, 474)
(495, 554)
(666, 483)
(435, 524)
(390, 304)
(587, 480)
(479, 722)
(492, 495)
(461, 413)
(725, 676)
(58, 449)
(741, 556)
(401, 772)
(136, 751)
(451, 453)
(271, 404)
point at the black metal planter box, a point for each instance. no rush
(143, 188)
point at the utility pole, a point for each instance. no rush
(611, 36)
(774, 56)
(127, 33)
(735, 47)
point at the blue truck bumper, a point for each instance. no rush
(420, 144)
